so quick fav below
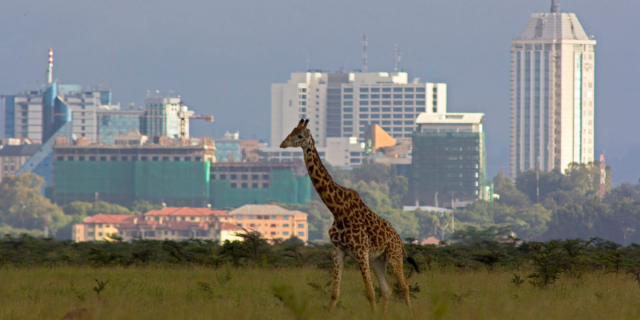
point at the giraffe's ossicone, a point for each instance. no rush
(357, 231)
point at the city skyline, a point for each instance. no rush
(232, 80)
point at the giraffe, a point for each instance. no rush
(357, 231)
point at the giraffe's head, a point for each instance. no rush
(299, 137)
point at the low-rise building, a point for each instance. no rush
(230, 231)
(100, 226)
(272, 221)
(12, 157)
(169, 223)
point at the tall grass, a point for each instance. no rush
(301, 293)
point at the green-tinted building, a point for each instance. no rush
(238, 184)
(172, 174)
(448, 159)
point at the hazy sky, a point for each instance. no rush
(222, 57)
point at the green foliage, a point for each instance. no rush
(22, 206)
(143, 206)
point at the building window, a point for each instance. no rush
(245, 185)
(223, 177)
(364, 89)
(301, 234)
(285, 225)
(114, 158)
(92, 158)
(364, 103)
(254, 185)
(245, 177)
(255, 176)
(273, 225)
(265, 176)
(285, 217)
(265, 185)
(233, 176)
(285, 233)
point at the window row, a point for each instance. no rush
(383, 116)
(242, 176)
(125, 158)
(387, 129)
(384, 122)
(387, 96)
(260, 217)
(388, 89)
(388, 103)
(246, 185)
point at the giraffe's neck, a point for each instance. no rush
(319, 175)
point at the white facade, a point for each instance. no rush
(552, 107)
(339, 152)
(342, 105)
(162, 117)
(345, 152)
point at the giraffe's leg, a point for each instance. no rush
(397, 268)
(379, 267)
(363, 261)
(338, 259)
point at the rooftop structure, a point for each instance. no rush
(552, 108)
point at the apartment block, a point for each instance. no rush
(272, 221)
(343, 105)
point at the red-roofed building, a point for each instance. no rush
(169, 223)
(98, 227)
(229, 231)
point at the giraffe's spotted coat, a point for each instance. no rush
(357, 231)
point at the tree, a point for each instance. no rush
(509, 195)
(22, 206)
(143, 206)
(571, 222)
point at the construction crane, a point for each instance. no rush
(184, 116)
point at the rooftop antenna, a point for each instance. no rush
(555, 7)
(50, 70)
(399, 60)
(308, 60)
(364, 53)
(395, 57)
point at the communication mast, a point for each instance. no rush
(50, 69)
(364, 53)
(395, 57)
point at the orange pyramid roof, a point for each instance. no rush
(380, 138)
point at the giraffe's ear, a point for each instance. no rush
(306, 122)
(300, 123)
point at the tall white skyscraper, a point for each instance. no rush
(552, 96)
(345, 104)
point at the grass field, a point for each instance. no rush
(227, 293)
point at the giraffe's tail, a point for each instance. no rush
(413, 263)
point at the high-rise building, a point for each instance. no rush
(342, 105)
(448, 159)
(552, 96)
(162, 117)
